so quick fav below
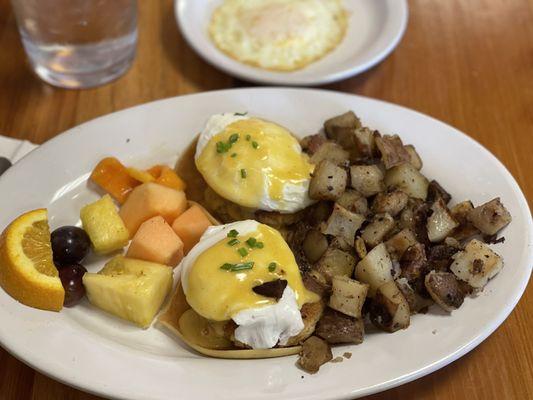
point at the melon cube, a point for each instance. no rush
(190, 226)
(151, 199)
(104, 226)
(155, 241)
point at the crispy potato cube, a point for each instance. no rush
(476, 264)
(389, 309)
(390, 202)
(367, 179)
(380, 226)
(353, 201)
(441, 223)
(343, 223)
(374, 269)
(328, 181)
(400, 242)
(104, 226)
(490, 217)
(348, 295)
(335, 328)
(414, 158)
(392, 151)
(335, 262)
(315, 352)
(408, 179)
(332, 152)
(334, 125)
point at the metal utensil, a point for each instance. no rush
(4, 164)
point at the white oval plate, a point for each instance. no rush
(88, 349)
(375, 29)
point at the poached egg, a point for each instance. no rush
(254, 163)
(218, 278)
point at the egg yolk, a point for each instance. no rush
(252, 158)
(222, 278)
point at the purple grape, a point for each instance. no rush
(71, 279)
(70, 245)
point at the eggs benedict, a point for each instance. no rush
(254, 163)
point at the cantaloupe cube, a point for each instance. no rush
(190, 226)
(150, 199)
(155, 241)
(104, 226)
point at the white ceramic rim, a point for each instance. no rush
(232, 67)
(27, 356)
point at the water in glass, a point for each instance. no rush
(78, 43)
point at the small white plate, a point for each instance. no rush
(375, 29)
(88, 349)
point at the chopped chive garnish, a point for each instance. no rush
(243, 266)
(251, 242)
(234, 155)
(272, 266)
(243, 252)
(223, 147)
(233, 138)
(243, 173)
(241, 114)
(237, 267)
(259, 245)
(233, 242)
(233, 233)
(248, 137)
(255, 145)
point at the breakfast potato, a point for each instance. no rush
(392, 151)
(353, 201)
(335, 125)
(436, 191)
(315, 352)
(332, 152)
(416, 302)
(375, 269)
(400, 242)
(314, 245)
(490, 217)
(335, 262)
(414, 158)
(390, 202)
(389, 309)
(378, 228)
(367, 179)
(408, 179)
(348, 295)
(310, 144)
(441, 222)
(328, 181)
(342, 224)
(413, 264)
(444, 288)
(338, 328)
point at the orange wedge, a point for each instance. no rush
(27, 271)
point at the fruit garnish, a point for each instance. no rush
(27, 271)
(113, 177)
(70, 245)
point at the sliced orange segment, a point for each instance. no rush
(27, 271)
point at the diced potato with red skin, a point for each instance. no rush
(392, 151)
(315, 352)
(389, 310)
(151, 199)
(190, 226)
(367, 179)
(328, 181)
(114, 178)
(476, 264)
(155, 241)
(408, 179)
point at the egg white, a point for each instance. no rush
(295, 197)
(258, 327)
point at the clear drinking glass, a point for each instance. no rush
(78, 43)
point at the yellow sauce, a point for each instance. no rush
(273, 163)
(219, 294)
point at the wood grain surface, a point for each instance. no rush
(468, 63)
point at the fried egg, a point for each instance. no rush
(281, 35)
(218, 278)
(254, 163)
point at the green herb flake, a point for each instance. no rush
(243, 173)
(242, 266)
(234, 155)
(255, 145)
(227, 266)
(223, 147)
(272, 266)
(233, 138)
(233, 233)
(233, 242)
(251, 242)
(243, 252)
(241, 114)
(259, 245)
(248, 137)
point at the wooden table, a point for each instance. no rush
(468, 63)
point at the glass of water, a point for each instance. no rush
(78, 43)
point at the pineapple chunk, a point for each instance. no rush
(130, 289)
(104, 226)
